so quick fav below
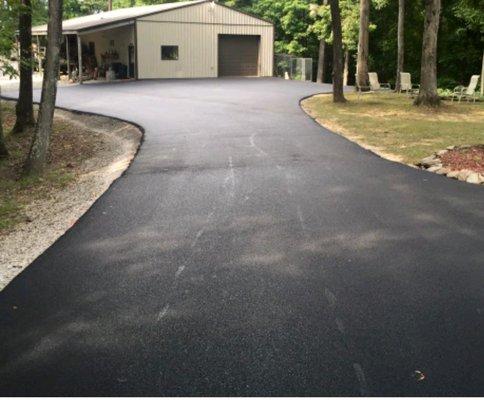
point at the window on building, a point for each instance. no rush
(169, 52)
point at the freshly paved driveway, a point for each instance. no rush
(248, 251)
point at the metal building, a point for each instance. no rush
(191, 39)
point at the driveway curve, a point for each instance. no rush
(248, 251)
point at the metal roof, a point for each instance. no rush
(75, 25)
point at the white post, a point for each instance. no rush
(68, 60)
(482, 75)
(79, 57)
(39, 57)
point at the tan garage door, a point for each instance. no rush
(238, 55)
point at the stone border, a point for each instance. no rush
(434, 164)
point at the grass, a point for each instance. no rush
(69, 147)
(390, 125)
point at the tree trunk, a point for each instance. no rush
(400, 42)
(363, 43)
(322, 49)
(428, 71)
(43, 129)
(110, 5)
(346, 67)
(338, 96)
(3, 148)
(24, 109)
(321, 55)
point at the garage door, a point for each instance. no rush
(238, 55)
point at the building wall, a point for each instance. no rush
(117, 38)
(195, 30)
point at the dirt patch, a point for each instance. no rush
(471, 158)
(87, 154)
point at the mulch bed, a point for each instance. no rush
(471, 158)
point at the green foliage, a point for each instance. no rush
(300, 24)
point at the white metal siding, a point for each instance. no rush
(195, 30)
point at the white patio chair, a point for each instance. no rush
(375, 84)
(469, 92)
(406, 84)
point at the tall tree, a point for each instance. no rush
(428, 71)
(400, 42)
(43, 129)
(24, 109)
(363, 43)
(3, 147)
(338, 96)
(321, 55)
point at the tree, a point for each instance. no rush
(338, 96)
(400, 42)
(321, 51)
(24, 109)
(3, 147)
(363, 43)
(43, 129)
(428, 72)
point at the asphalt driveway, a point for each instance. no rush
(248, 251)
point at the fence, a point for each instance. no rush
(290, 67)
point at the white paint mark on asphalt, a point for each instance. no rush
(162, 313)
(252, 144)
(179, 271)
(301, 217)
(198, 236)
(230, 178)
(340, 326)
(360, 375)
(330, 297)
(201, 231)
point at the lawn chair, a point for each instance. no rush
(469, 92)
(375, 84)
(406, 84)
(361, 89)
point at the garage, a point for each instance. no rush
(185, 39)
(238, 55)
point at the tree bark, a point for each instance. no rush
(322, 50)
(363, 43)
(24, 109)
(321, 56)
(43, 129)
(338, 96)
(3, 147)
(428, 71)
(400, 42)
(346, 67)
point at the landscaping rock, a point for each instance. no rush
(435, 168)
(481, 178)
(463, 174)
(451, 148)
(473, 178)
(442, 152)
(442, 171)
(453, 174)
(429, 161)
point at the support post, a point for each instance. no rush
(39, 57)
(68, 58)
(482, 75)
(79, 57)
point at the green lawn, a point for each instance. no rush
(390, 125)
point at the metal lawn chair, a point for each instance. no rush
(375, 84)
(406, 84)
(467, 93)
